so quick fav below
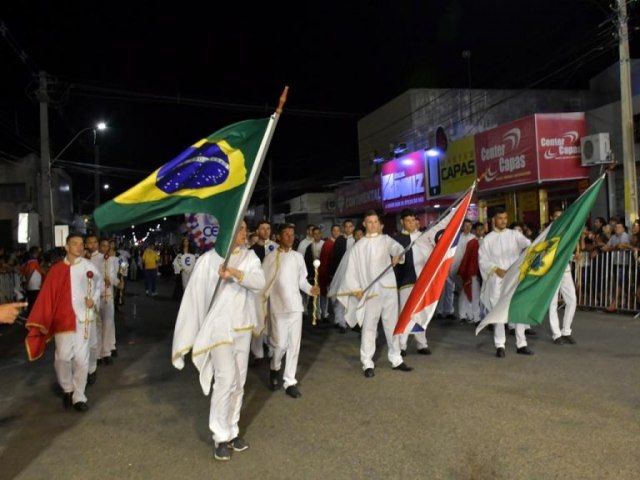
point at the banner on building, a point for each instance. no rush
(558, 145)
(403, 182)
(457, 167)
(358, 197)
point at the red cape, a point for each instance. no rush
(469, 266)
(32, 265)
(324, 277)
(53, 311)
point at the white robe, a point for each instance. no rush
(367, 259)
(286, 276)
(234, 309)
(499, 249)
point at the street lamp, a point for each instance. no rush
(95, 128)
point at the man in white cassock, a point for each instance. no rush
(499, 250)
(66, 309)
(466, 312)
(220, 338)
(367, 259)
(407, 273)
(343, 243)
(108, 266)
(286, 276)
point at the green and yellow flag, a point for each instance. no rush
(208, 177)
(533, 280)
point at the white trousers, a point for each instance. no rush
(384, 305)
(470, 309)
(421, 337)
(230, 364)
(72, 360)
(338, 312)
(445, 305)
(286, 335)
(500, 339)
(568, 291)
(185, 276)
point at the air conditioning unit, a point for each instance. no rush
(596, 149)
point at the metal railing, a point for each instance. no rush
(608, 280)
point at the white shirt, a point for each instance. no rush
(304, 243)
(500, 249)
(108, 269)
(82, 287)
(286, 275)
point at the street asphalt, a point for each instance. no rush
(568, 412)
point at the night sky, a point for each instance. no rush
(165, 76)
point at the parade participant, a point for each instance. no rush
(343, 243)
(286, 276)
(66, 310)
(264, 245)
(567, 289)
(499, 250)
(468, 272)
(92, 253)
(184, 262)
(109, 267)
(220, 338)
(32, 274)
(367, 259)
(358, 234)
(324, 270)
(407, 273)
(305, 242)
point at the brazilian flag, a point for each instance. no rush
(208, 177)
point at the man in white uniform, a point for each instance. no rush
(91, 246)
(220, 338)
(567, 289)
(341, 247)
(498, 251)
(407, 274)
(66, 309)
(367, 259)
(286, 276)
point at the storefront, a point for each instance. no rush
(355, 199)
(531, 165)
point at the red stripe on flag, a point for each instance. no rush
(430, 284)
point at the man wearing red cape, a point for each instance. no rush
(66, 311)
(324, 270)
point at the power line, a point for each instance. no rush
(17, 49)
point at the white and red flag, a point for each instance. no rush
(440, 241)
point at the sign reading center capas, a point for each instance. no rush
(458, 166)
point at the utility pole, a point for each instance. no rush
(96, 175)
(626, 106)
(270, 192)
(45, 196)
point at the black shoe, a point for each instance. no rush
(524, 351)
(450, 316)
(67, 400)
(559, 341)
(239, 444)
(114, 353)
(257, 361)
(403, 353)
(293, 391)
(568, 339)
(274, 379)
(222, 452)
(356, 328)
(530, 333)
(99, 362)
(342, 330)
(81, 406)
(403, 367)
(424, 351)
(369, 372)
(500, 353)
(107, 360)
(91, 378)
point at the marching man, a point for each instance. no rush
(286, 276)
(220, 338)
(407, 274)
(108, 266)
(367, 259)
(499, 250)
(66, 309)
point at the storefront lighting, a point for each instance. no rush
(378, 160)
(407, 161)
(432, 152)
